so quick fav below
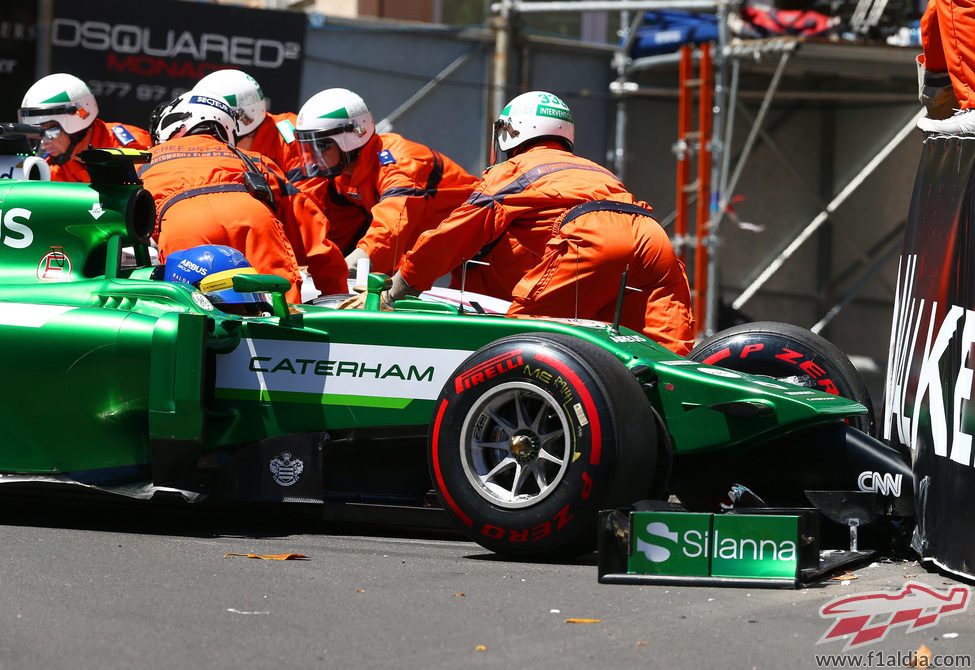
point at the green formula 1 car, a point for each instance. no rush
(523, 428)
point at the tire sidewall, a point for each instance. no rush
(780, 350)
(564, 519)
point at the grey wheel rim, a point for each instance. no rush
(515, 445)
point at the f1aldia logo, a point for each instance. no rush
(867, 617)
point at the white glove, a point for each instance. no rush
(934, 91)
(400, 289)
(353, 258)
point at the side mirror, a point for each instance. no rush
(273, 284)
(375, 285)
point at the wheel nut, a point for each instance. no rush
(521, 445)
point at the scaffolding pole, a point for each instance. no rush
(540, 7)
(499, 67)
(717, 178)
(386, 125)
(821, 218)
(705, 221)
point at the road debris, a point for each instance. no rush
(271, 557)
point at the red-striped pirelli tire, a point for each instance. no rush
(789, 353)
(533, 435)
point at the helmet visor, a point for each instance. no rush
(320, 153)
(503, 134)
(243, 118)
(218, 288)
(40, 114)
(242, 304)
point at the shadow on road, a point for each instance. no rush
(103, 512)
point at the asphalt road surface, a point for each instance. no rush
(97, 585)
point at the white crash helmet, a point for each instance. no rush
(62, 98)
(335, 115)
(242, 92)
(193, 114)
(532, 116)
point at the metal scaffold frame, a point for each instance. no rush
(723, 176)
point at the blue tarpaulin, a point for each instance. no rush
(665, 31)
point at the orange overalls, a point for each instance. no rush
(198, 185)
(580, 274)
(275, 138)
(508, 220)
(347, 221)
(103, 135)
(948, 39)
(397, 190)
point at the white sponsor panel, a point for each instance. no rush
(338, 368)
(29, 316)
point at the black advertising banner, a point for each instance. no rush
(928, 401)
(18, 49)
(135, 55)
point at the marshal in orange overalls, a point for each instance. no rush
(948, 37)
(275, 138)
(102, 135)
(397, 190)
(304, 224)
(198, 185)
(580, 274)
(508, 219)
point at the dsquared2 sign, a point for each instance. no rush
(139, 40)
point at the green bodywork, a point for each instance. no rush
(100, 360)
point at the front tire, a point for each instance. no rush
(777, 473)
(533, 435)
(791, 354)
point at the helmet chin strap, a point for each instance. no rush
(335, 170)
(346, 158)
(72, 145)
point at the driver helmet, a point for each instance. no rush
(242, 92)
(193, 114)
(217, 264)
(63, 104)
(333, 117)
(530, 118)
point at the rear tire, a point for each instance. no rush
(532, 437)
